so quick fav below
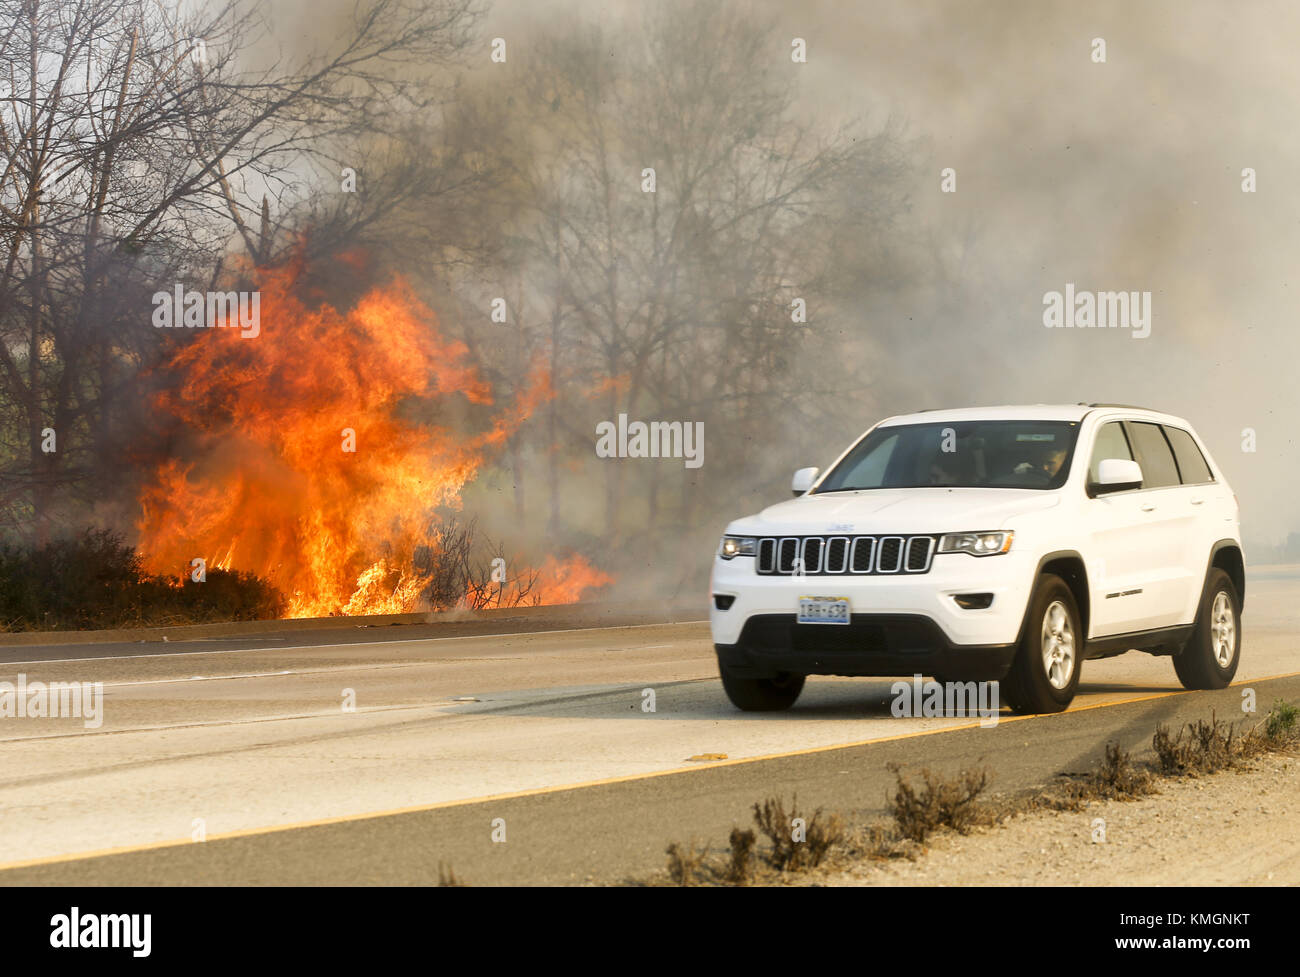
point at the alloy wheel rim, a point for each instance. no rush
(1058, 645)
(1223, 629)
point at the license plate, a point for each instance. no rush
(823, 610)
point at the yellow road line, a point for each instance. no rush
(606, 781)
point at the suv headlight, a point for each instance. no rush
(733, 546)
(976, 544)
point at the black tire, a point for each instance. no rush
(762, 694)
(1199, 664)
(1028, 687)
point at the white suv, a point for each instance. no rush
(1001, 543)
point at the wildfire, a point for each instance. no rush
(270, 485)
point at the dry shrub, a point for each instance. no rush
(939, 802)
(821, 834)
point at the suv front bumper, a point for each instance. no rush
(901, 624)
(871, 644)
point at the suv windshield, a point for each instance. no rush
(959, 454)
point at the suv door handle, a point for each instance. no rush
(1148, 507)
(1197, 501)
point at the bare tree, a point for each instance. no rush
(135, 141)
(679, 301)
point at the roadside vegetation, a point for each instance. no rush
(95, 580)
(796, 842)
(1208, 747)
(925, 804)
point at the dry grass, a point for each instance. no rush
(1118, 777)
(939, 803)
(793, 850)
(687, 865)
(1282, 726)
(927, 804)
(1207, 747)
(796, 843)
(1201, 747)
(740, 867)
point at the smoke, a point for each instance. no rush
(1122, 175)
(1118, 175)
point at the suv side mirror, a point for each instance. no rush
(803, 480)
(1117, 474)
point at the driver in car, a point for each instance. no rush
(1045, 462)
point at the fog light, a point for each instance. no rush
(973, 602)
(723, 602)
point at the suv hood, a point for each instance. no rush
(901, 511)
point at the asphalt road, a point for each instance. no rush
(613, 832)
(248, 740)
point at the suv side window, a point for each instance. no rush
(1111, 443)
(1154, 455)
(1191, 463)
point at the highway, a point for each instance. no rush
(536, 729)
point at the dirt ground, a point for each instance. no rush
(1232, 828)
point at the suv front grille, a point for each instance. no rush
(821, 556)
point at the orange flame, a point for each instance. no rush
(273, 489)
(565, 581)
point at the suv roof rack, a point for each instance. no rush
(1124, 406)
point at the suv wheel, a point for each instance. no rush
(1209, 659)
(1045, 673)
(762, 694)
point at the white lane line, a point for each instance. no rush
(210, 723)
(199, 640)
(242, 675)
(198, 678)
(347, 644)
